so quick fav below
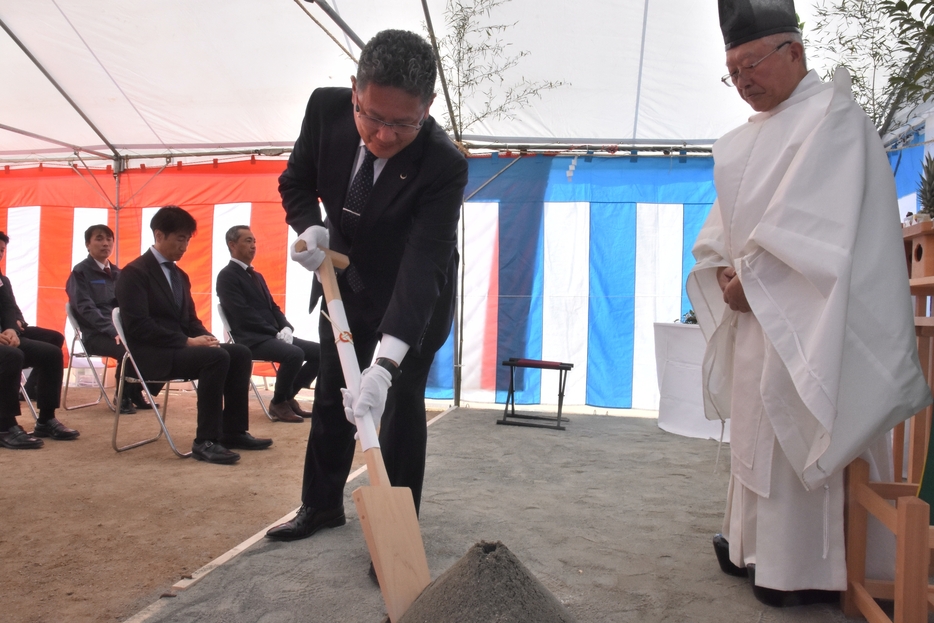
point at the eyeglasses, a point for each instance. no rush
(730, 79)
(375, 125)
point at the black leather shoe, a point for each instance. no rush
(790, 599)
(140, 403)
(246, 441)
(126, 406)
(293, 404)
(721, 548)
(18, 439)
(213, 452)
(56, 430)
(306, 522)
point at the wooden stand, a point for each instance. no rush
(510, 411)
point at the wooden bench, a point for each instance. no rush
(510, 411)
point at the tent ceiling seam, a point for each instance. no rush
(109, 76)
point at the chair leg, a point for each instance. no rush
(911, 561)
(97, 378)
(259, 398)
(28, 400)
(857, 475)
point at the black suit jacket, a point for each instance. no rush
(253, 315)
(405, 244)
(92, 295)
(154, 327)
(10, 312)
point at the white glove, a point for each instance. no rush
(285, 335)
(374, 385)
(316, 239)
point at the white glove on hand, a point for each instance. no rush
(374, 384)
(285, 335)
(316, 239)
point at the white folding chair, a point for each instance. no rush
(230, 340)
(87, 356)
(135, 376)
(26, 398)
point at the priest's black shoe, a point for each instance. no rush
(245, 441)
(18, 439)
(721, 548)
(56, 430)
(789, 599)
(212, 452)
(306, 522)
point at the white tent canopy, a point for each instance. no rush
(176, 76)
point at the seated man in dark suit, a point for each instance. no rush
(18, 351)
(257, 322)
(169, 341)
(91, 291)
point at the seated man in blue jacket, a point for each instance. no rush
(257, 322)
(91, 291)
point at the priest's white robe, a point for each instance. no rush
(825, 363)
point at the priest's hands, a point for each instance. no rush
(733, 294)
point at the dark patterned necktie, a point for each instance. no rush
(176, 283)
(258, 283)
(110, 275)
(358, 195)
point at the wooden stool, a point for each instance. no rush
(510, 411)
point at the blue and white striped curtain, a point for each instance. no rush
(574, 260)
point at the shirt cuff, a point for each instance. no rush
(392, 348)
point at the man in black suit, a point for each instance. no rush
(402, 242)
(257, 322)
(169, 341)
(91, 289)
(21, 348)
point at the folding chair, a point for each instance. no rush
(77, 339)
(27, 399)
(135, 376)
(230, 340)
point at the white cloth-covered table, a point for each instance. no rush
(679, 355)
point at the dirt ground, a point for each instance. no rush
(93, 535)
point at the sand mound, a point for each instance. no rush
(487, 585)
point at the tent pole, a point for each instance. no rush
(444, 82)
(459, 313)
(57, 86)
(118, 171)
(339, 21)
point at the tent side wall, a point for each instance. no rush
(564, 267)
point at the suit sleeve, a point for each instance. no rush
(78, 288)
(133, 292)
(9, 310)
(428, 253)
(281, 320)
(195, 326)
(241, 316)
(298, 184)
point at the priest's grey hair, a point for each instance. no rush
(781, 37)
